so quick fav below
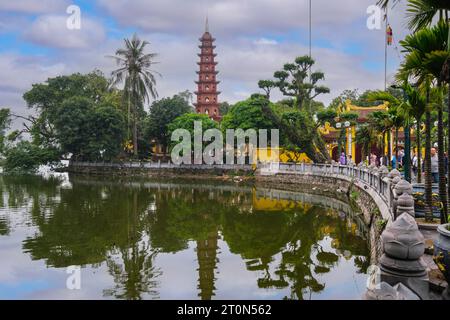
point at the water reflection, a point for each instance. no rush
(127, 229)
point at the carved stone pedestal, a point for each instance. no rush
(403, 246)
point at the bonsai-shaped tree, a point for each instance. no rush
(294, 81)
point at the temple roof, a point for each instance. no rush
(364, 112)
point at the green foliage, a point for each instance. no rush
(301, 121)
(77, 114)
(46, 99)
(352, 117)
(87, 131)
(27, 157)
(355, 195)
(340, 100)
(357, 99)
(426, 53)
(162, 113)
(294, 81)
(5, 120)
(366, 137)
(328, 115)
(224, 107)
(187, 121)
(135, 71)
(267, 86)
(381, 224)
(248, 115)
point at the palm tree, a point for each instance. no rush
(393, 119)
(414, 108)
(382, 124)
(421, 13)
(426, 56)
(445, 77)
(366, 137)
(398, 122)
(135, 70)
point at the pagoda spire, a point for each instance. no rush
(207, 92)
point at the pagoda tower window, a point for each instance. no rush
(207, 99)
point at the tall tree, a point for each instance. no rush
(135, 71)
(388, 120)
(414, 109)
(445, 76)
(162, 113)
(46, 98)
(426, 54)
(366, 137)
(267, 86)
(5, 120)
(383, 124)
(421, 13)
(294, 81)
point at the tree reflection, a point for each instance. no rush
(296, 234)
(125, 227)
(89, 225)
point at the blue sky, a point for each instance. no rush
(254, 39)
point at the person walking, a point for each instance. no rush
(434, 165)
(373, 159)
(415, 164)
(343, 159)
(394, 162)
(350, 160)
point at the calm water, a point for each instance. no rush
(163, 240)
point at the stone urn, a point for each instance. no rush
(441, 253)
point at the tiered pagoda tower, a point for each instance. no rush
(207, 94)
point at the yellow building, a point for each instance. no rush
(331, 134)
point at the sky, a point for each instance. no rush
(254, 39)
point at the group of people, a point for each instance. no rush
(397, 162)
(434, 164)
(346, 160)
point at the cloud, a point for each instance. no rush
(254, 39)
(52, 31)
(232, 16)
(33, 6)
(265, 42)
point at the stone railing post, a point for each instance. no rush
(404, 201)
(403, 247)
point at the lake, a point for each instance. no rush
(78, 237)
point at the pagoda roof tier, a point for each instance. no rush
(208, 94)
(206, 39)
(198, 72)
(209, 47)
(207, 82)
(207, 54)
(207, 63)
(211, 104)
